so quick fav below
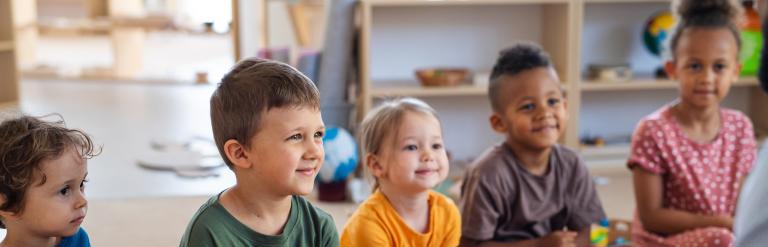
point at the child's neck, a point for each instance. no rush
(701, 124)
(413, 208)
(18, 238)
(262, 211)
(536, 161)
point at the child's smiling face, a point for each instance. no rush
(705, 64)
(415, 159)
(534, 115)
(287, 153)
(55, 203)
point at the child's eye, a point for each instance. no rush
(527, 107)
(64, 191)
(295, 137)
(82, 185)
(553, 101)
(720, 67)
(410, 147)
(694, 66)
(437, 146)
(319, 134)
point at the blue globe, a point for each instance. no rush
(340, 155)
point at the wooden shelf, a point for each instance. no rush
(649, 84)
(418, 91)
(457, 2)
(627, 1)
(6, 46)
(407, 88)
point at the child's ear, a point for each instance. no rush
(497, 122)
(236, 153)
(374, 165)
(5, 215)
(669, 67)
(737, 70)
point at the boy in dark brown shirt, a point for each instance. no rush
(528, 190)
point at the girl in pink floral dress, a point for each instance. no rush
(690, 157)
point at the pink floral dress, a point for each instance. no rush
(701, 178)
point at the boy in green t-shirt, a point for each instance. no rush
(267, 126)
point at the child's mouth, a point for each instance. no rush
(703, 91)
(552, 127)
(424, 172)
(77, 220)
(306, 171)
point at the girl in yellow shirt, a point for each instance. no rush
(403, 148)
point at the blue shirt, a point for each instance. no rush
(80, 239)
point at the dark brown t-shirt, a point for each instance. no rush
(502, 201)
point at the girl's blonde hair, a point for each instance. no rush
(382, 121)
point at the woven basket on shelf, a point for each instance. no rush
(441, 76)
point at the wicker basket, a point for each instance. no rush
(441, 76)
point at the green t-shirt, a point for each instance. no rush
(307, 225)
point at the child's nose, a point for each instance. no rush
(709, 76)
(314, 151)
(81, 200)
(427, 155)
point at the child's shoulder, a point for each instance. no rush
(444, 204)
(211, 211)
(440, 200)
(568, 158)
(734, 116)
(492, 161)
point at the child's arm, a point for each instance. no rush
(555, 239)
(655, 218)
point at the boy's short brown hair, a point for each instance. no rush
(249, 90)
(25, 143)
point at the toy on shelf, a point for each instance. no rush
(657, 30)
(609, 72)
(751, 41)
(655, 33)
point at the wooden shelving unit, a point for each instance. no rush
(9, 85)
(649, 84)
(562, 27)
(417, 91)
(6, 46)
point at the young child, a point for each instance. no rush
(267, 126)
(528, 190)
(42, 183)
(404, 151)
(690, 157)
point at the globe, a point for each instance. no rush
(657, 30)
(340, 155)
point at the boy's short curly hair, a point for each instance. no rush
(25, 143)
(249, 90)
(512, 61)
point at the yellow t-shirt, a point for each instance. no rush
(376, 223)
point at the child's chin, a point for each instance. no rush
(71, 231)
(304, 190)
